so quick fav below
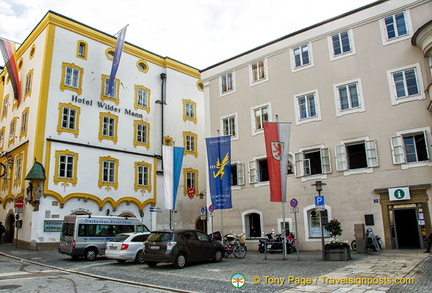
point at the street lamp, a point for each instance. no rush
(319, 187)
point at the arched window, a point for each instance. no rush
(252, 223)
(312, 218)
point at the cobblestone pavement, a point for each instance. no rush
(381, 270)
(422, 275)
(378, 273)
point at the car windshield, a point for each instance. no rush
(160, 237)
(119, 238)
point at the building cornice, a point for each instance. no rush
(69, 24)
(349, 20)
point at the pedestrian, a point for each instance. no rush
(429, 243)
(2, 230)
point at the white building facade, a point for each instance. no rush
(356, 89)
(70, 148)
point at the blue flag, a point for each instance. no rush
(116, 60)
(172, 164)
(219, 162)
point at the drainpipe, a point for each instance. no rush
(162, 103)
(163, 78)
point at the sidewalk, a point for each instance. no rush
(381, 271)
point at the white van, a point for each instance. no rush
(86, 235)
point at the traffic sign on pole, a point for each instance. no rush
(294, 203)
(203, 212)
(155, 210)
(319, 200)
(295, 210)
(19, 203)
(211, 208)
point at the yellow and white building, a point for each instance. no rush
(68, 148)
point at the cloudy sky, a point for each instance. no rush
(199, 33)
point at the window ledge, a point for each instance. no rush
(396, 39)
(254, 83)
(316, 238)
(260, 184)
(302, 67)
(416, 164)
(313, 177)
(224, 94)
(307, 120)
(417, 97)
(358, 171)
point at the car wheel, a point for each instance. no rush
(152, 264)
(218, 255)
(354, 245)
(289, 248)
(180, 261)
(90, 254)
(121, 261)
(139, 257)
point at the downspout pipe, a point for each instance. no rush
(162, 101)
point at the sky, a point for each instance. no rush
(199, 33)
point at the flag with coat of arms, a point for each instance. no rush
(277, 139)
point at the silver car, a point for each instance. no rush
(127, 246)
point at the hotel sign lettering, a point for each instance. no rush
(106, 106)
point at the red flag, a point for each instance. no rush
(277, 139)
(11, 65)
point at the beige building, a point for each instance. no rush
(70, 148)
(356, 89)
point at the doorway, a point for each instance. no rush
(201, 224)
(407, 233)
(254, 225)
(10, 229)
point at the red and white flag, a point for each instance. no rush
(8, 51)
(277, 139)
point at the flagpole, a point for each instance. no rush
(283, 214)
(222, 234)
(170, 218)
(283, 230)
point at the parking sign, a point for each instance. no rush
(319, 200)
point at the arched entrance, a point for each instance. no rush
(10, 228)
(252, 223)
(128, 215)
(201, 224)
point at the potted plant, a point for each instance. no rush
(336, 249)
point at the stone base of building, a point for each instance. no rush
(36, 246)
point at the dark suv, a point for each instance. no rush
(181, 246)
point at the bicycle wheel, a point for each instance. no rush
(240, 251)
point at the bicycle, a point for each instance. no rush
(234, 245)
